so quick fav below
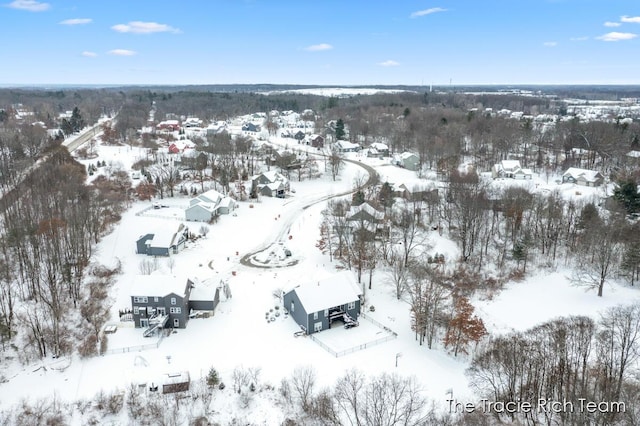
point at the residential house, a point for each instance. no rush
(582, 177)
(421, 192)
(207, 205)
(346, 146)
(367, 219)
(378, 149)
(633, 158)
(510, 169)
(168, 126)
(408, 160)
(192, 122)
(216, 128)
(161, 297)
(316, 141)
(178, 147)
(165, 301)
(270, 184)
(164, 241)
(316, 306)
(250, 128)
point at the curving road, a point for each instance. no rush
(295, 211)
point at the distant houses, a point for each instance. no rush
(164, 241)
(320, 305)
(582, 177)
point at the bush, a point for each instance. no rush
(88, 347)
(104, 343)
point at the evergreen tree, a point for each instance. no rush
(67, 127)
(76, 121)
(340, 133)
(626, 193)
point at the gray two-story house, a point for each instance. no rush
(160, 297)
(166, 301)
(315, 306)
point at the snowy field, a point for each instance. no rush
(239, 335)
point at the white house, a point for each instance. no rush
(346, 146)
(510, 169)
(582, 177)
(207, 205)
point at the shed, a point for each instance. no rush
(175, 382)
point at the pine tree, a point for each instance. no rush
(76, 121)
(340, 133)
(626, 193)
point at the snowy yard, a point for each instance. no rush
(239, 334)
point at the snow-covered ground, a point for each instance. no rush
(240, 334)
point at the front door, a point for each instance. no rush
(176, 323)
(144, 322)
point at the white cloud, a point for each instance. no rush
(30, 5)
(427, 12)
(139, 27)
(389, 63)
(630, 19)
(615, 36)
(121, 52)
(550, 43)
(88, 54)
(76, 21)
(318, 47)
(612, 24)
(579, 38)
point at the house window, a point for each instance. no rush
(140, 299)
(352, 305)
(175, 310)
(173, 300)
(136, 311)
(317, 326)
(155, 299)
(162, 311)
(326, 313)
(293, 308)
(315, 315)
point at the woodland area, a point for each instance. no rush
(52, 299)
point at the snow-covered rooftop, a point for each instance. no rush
(158, 285)
(333, 291)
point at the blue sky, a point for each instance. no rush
(324, 42)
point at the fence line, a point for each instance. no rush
(384, 327)
(363, 346)
(138, 348)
